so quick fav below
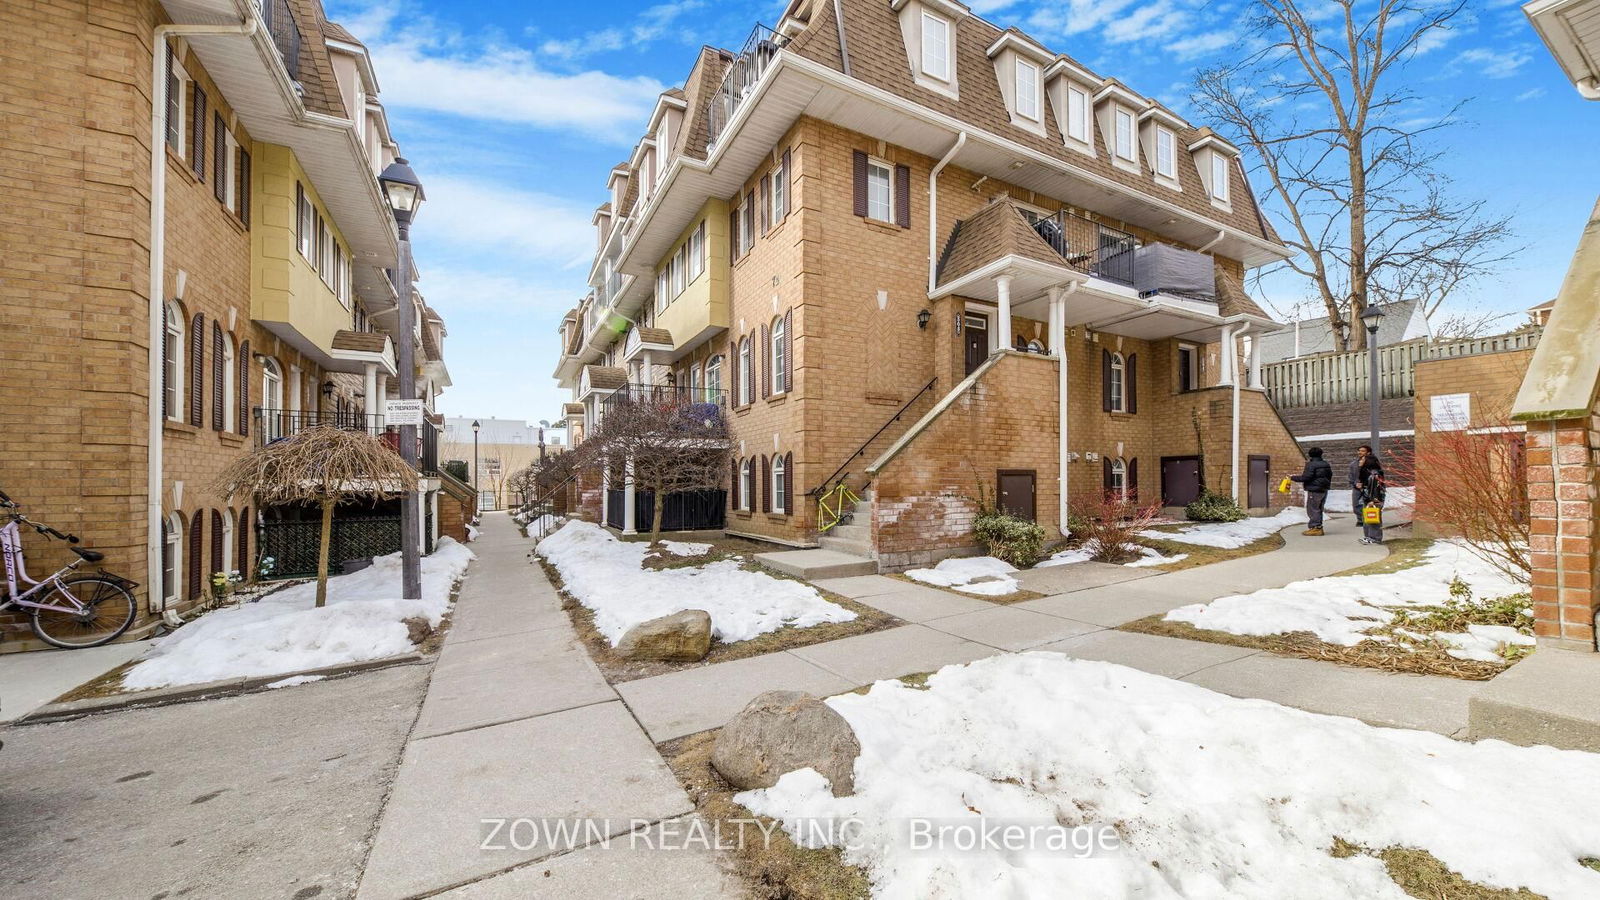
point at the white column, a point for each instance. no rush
(1058, 346)
(1003, 323)
(1227, 363)
(1255, 362)
(371, 394)
(292, 403)
(605, 491)
(630, 523)
(433, 504)
(647, 372)
(1234, 445)
(383, 397)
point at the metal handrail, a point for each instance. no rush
(757, 54)
(840, 474)
(541, 503)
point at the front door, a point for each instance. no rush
(1259, 481)
(1015, 496)
(1180, 480)
(977, 335)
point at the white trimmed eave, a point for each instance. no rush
(1021, 45)
(1570, 30)
(657, 351)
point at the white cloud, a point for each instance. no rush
(484, 217)
(651, 25)
(1116, 21)
(1494, 64)
(1198, 45)
(1532, 94)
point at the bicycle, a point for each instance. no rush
(70, 613)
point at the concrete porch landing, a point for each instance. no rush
(1552, 697)
(812, 565)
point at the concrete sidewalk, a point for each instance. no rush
(1079, 621)
(520, 733)
(30, 679)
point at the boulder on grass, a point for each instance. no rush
(781, 731)
(681, 637)
(418, 629)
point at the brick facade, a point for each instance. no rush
(1564, 476)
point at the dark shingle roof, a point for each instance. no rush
(360, 341)
(995, 231)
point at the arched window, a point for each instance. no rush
(714, 380)
(780, 500)
(1119, 382)
(1119, 479)
(171, 557)
(171, 368)
(271, 399)
(230, 376)
(747, 374)
(747, 477)
(776, 350)
(229, 564)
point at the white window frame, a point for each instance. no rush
(305, 223)
(713, 378)
(172, 368)
(1166, 153)
(1078, 114)
(746, 239)
(697, 252)
(1123, 138)
(937, 67)
(1220, 176)
(228, 562)
(230, 375)
(776, 352)
(1119, 478)
(663, 286)
(271, 384)
(172, 576)
(746, 372)
(678, 281)
(780, 193)
(1029, 102)
(874, 167)
(779, 501)
(747, 482)
(1193, 365)
(1119, 383)
(184, 112)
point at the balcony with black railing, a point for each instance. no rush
(739, 82)
(681, 410)
(273, 425)
(1117, 256)
(277, 18)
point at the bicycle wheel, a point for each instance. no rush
(109, 609)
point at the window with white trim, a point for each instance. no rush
(747, 483)
(171, 557)
(1119, 382)
(935, 47)
(663, 293)
(1077, 115)
(228, 567)
(678, 282)
(780, 192)
(745, 237)
(230, 375)
(714, 380)
(177, 112)
(697, 252)
(777, 355)
(1219, 176)
(171, 362)
(1166, 153)
(780, 503)
(1124, 133)
(880, 191)
(1119, 479)
(747, 374)
(1027, 89)
(305, 225)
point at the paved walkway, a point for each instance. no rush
(1078, 620)
(32, 678)
(519, 731)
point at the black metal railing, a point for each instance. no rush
(693, 411)
(276, 424)
(1090, 247)
(758, 53)
(293, 545)
(842, 473)
(280, 23)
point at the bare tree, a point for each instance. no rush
(1320, 98)
(672, 446)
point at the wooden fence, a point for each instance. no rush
(1331, 378)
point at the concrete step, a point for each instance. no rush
(1552, 697)
(855, 547)
(812, 565)
(858, 531)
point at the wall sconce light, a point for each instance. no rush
(923, 317)
(327, 389)
(959, 323)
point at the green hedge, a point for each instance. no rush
(1209, 507)
(1017, 541)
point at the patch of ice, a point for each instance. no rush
(285, 632)
(293, 680)
(607, 576)
(1231, 535)
(1211, 796)
(983, 575)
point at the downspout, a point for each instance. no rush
(1233, 362)
(844, 46)
(933, 210)
(1213, 242)
(157, 298)
(1062, 406)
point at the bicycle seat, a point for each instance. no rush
(88, 555)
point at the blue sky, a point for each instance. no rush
(513, 112)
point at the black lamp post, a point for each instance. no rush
(404, 194)
(475, 427)
(1371, 317)
(543, 424)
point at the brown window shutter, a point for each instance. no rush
(217, 352)
(750, 217)
(766, 485)
(166, 407)
(788, 484)
(197, 370)
(241, 555)
(733, 234)
(244, 387)
(766, 204)
(216, 542)
(788, 185)
(197, 133)
(902, 196)
(859, 167)
(788, 351)
(733, 488)
(766, 361)
(1105, 380)
(733, 374)
(174, 103)
(242, 194)
(1105, 472)
(196, 562)
(219, 157)
(1133, 479)
(1130, 386)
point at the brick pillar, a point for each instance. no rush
(1564, 505)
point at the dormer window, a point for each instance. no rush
(1078, 114)
(1214, 157)
(1166, 153)
(1219, 177)
(1027, 88)
(928, 30)
(1124, 134)
(935, 47)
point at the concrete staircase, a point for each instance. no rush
(844, 550)
(855, 536)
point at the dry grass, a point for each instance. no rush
(1421, 874)
(618, 669)
(775, 869)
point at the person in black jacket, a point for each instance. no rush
(1362, 452)
(1316, 479)
(1373, 492)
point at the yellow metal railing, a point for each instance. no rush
(835, 505)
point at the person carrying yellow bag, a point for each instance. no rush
(1373, 491)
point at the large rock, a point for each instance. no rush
(781, 731)
(681, 637)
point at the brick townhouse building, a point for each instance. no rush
(923, 256)
(194, 259)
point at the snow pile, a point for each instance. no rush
(284, 632)
(1339, 609)
(1231, 535)
(1483, 643)
(685, 548)
(472, 532)
(1395, 498)
(983, 575)
(607, 576)
(1211, 796)
(1148, 556)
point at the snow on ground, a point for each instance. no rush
(607, 576)
(472, 532)
(293, 680)
(1148, 556)
(1394, 498)
(984, 575)
(1210, 796)
(1231, 535)
(284, 632)
(685, 548)
(542, 525)
(1339, 609)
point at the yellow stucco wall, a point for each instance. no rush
(284, 286)
(703, 305)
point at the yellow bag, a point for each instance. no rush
(1372, 515)
(1283, 486)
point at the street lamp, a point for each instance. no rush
(1371, 317)
(404, 194)
(475, 427)
(543, 424)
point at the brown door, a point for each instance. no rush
(1016, 493)
(1180, 480)
(977, 336)
(1259, 481)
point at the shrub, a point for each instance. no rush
(1111, 526)
(1017, 541)
(1209, 507)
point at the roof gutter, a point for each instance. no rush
(844, 46)
(933, 208)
